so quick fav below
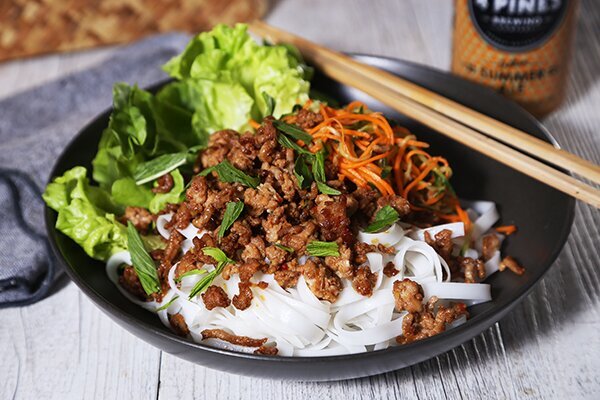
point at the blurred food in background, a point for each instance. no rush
(30, 27)
(520, 48)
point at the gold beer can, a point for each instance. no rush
(520, 48)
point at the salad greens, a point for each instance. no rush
(86, 214)
(222, 80)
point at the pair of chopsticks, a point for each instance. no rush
(460, 123)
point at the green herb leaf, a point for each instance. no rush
(232, 212)
(290, 144)
(318, 170)
(142, 262)
(270, 102)
(282, 247)
(165, 306)
(319, 166)
(302, 172)
(229, 173)
(206, 281)
(322, 249)
(217, 254)
(383, 219)
(190, 273)
(323, 188)
(157, 167)
(293, 131)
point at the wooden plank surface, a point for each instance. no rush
(549, 347)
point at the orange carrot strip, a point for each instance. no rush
(419, 178)
(253, 123)
(367, 161)
(381, 184)
(506, 229)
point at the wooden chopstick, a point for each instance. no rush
(446, 117)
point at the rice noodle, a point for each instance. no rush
(300, 324)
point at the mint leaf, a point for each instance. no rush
(302, 172)
(232, 212)
(322, 249)
(229, 173)
(383, 219)
(206, 281)
(157, 167)
(142, 262)
(293, 131)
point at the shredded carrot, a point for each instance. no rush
(255, 125)
(506, 229)
(364, 145)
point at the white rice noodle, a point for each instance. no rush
(470, 293)
(487, 216)
(300, 324)
(387, 238)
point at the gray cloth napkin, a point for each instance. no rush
(35, 126)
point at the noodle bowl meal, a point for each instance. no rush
(252, 216)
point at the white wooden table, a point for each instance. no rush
(548, 347)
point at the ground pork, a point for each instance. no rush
(472, 269)
(390, 269)
(430, 322)
(139, 217)
(164, 184)
(341, 264)
(179, 325)
(330, 214)
(364, 280)
(321, 280)
(490, 243)
(243, 299)
(442, 243)
(231, 338)
(512, 264)
(307, 119)
(408, 296)
(215, 296)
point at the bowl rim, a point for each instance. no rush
(462, 332)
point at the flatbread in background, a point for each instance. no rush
(30, 27)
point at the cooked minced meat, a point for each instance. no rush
(490, 243)
(430, 321)
(139, 217)
(279, 219)
(164, 184)
(472, 269)
(215, 296)
(408, 296)
(512, 264)
(178, 324)
(231, 338)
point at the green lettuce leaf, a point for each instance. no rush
(230, 57)
(126, 192)
(86, 214)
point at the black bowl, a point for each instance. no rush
(543, 215)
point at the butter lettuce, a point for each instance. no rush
(86, 214)
(227, 60)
